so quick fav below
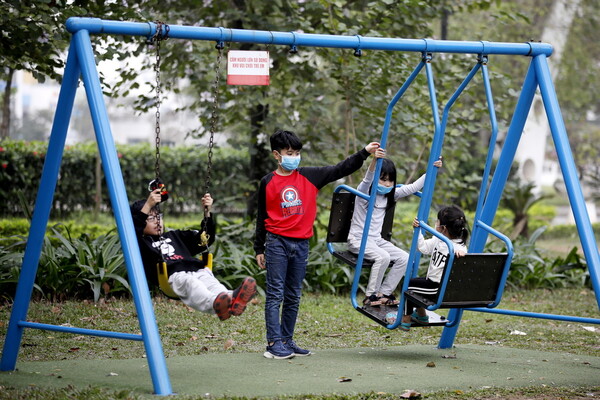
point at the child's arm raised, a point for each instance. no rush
(379, 153)
(320, 176)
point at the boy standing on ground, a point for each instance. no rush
(287, 209)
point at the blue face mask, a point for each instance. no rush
(290, 163)
(383, 189)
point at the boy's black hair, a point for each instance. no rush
(285, 140)
(137, 206)
(453, 218)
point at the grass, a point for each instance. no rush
(325, 321)
(558, 247)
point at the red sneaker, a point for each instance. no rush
(242, 295)
(222, 305)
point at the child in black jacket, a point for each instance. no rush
(189, 278)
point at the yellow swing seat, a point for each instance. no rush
(163, 278)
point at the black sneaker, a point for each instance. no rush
(278, 351)
(291, 345)
(372, 301)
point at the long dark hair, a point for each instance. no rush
(388, 171)
(453, 218)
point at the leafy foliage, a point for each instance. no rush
(86, 267)
(69, 267)
(530, 269)
(519, 198)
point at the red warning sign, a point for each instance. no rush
(248, 67)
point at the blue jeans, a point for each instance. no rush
(286, 260)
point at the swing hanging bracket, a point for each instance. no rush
(358, 50)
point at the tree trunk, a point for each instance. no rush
(260, 159)
(444, 24)
(5, 125)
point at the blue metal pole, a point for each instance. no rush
(118, 196)
(412, 266)
(509, 257)
(80, 331)
(569, 171)
(496, 187)
(373, 194)
(493, 137)
(506, 159)
(431, 174)
(436, 147)
(436, 151)
(95, 25)
(526, 314)
(41, 212)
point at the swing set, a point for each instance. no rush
(81, 64)
(157, 183)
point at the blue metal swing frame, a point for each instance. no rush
(81, 64)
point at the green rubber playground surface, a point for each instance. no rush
(351, 371)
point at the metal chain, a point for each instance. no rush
(157, 38)
(214, 118)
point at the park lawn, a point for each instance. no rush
(325, 321)
(560, 247)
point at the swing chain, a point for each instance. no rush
(214, 117)
(157, 38)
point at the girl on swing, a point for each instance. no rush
(452, 223)
(195, 285)
(381, 251)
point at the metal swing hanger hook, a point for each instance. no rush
(293, 47)
(158, 32)
(358, 50)
(220, 43)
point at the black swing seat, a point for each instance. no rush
(473, 282)
(340, 219)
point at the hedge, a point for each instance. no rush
(183, 169)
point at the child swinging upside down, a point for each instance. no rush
(189, 278)
(381, 251)
(451, 223)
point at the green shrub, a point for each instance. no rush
(183, 169)
(14, 226)
(531, 268)
(568, 231)
(11, 258)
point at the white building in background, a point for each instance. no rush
(531, 153)
(127, 125)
